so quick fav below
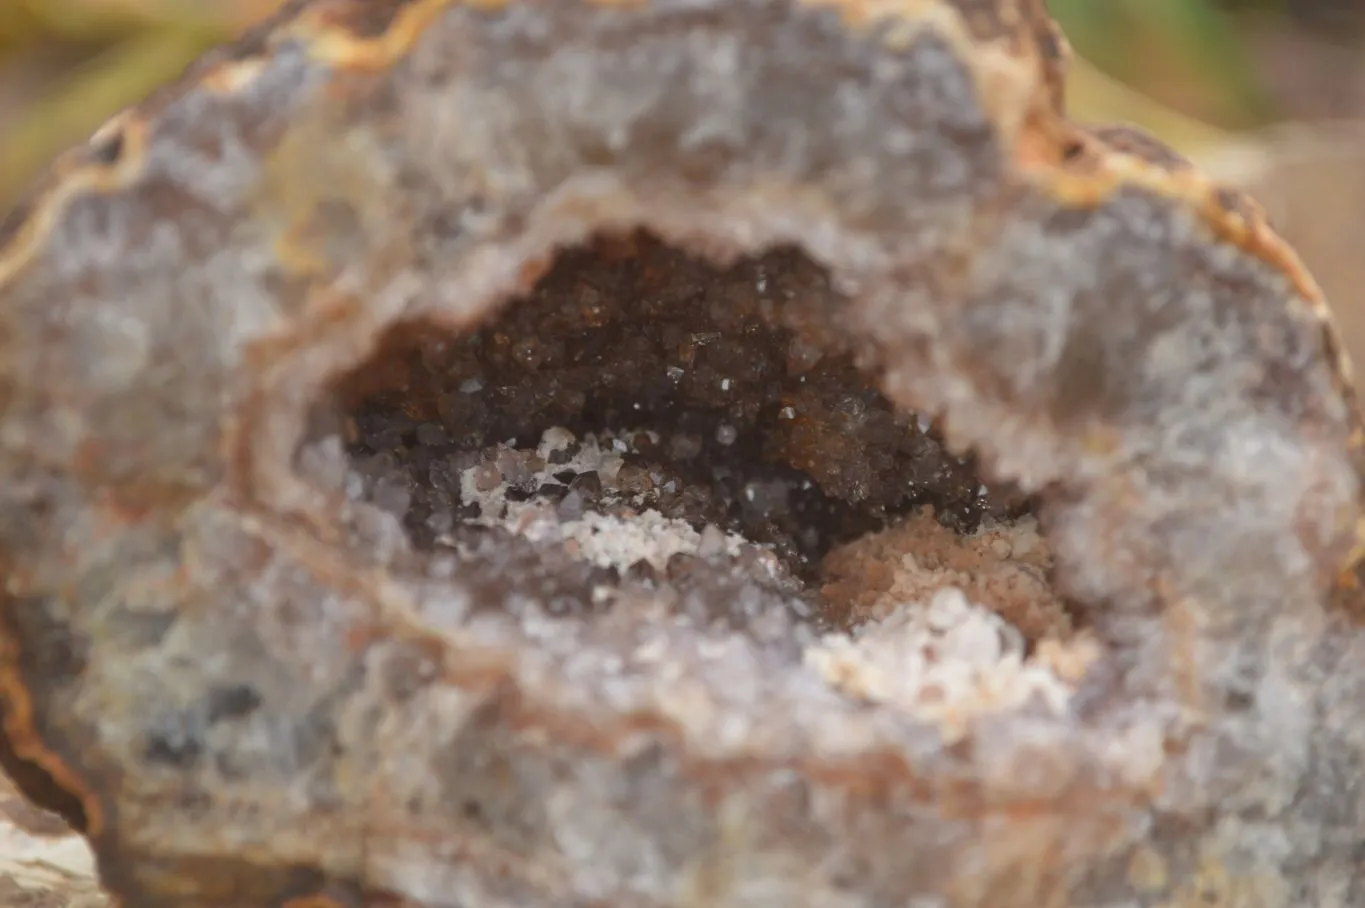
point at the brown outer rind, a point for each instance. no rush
(135, 518)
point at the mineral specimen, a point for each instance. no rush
(749, 453)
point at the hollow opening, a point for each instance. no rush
(644, 417)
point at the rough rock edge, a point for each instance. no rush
(1096, 177)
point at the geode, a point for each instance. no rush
(750, 453)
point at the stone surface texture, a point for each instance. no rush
(257, 653)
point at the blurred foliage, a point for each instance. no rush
(66, 65)
(1180, 52)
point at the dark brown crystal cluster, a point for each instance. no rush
(633, 379)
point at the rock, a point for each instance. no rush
(851, 259)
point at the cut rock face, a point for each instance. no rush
(746, 453)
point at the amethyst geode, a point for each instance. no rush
(755, 453)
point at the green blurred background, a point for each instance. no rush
(1266, 93)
